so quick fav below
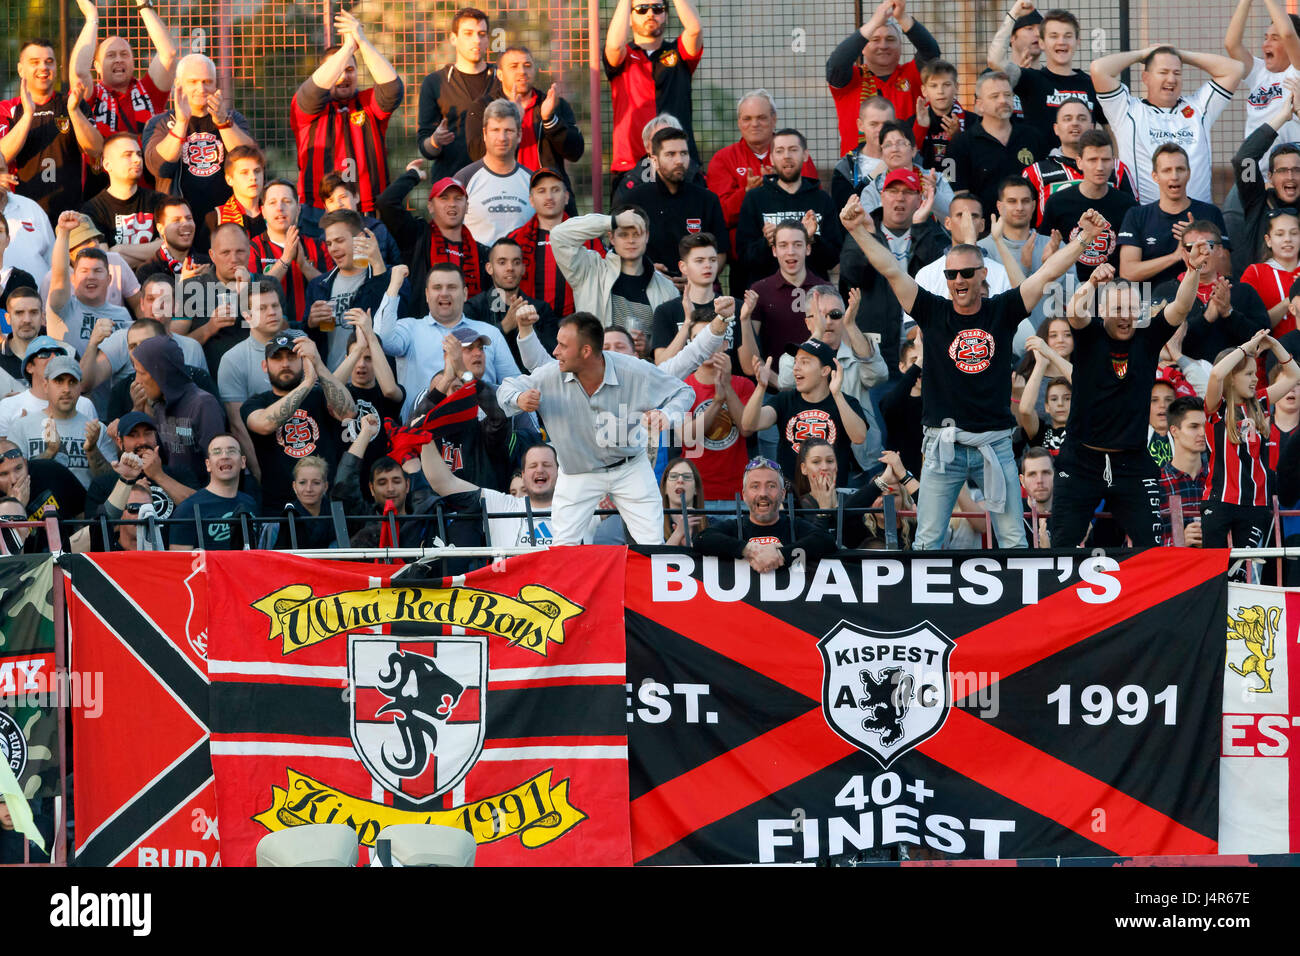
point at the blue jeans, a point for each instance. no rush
(939, 490)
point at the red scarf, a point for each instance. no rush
(464, 254)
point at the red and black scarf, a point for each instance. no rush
(464, 255)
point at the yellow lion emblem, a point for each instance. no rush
(1255, 626)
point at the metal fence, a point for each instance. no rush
(265, 48)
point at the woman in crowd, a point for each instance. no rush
(309, 489)
(815, 491)
(1243, 444)
(1273, 277)
(681, 477)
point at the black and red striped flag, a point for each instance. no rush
(961, 706)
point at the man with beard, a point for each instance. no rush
(172, 253)
(987, 152)
(675, 206)
(136, 436)
(649, 76)
(498, 304)
(763, 538)
(787, 194)
(339, 127)
(512, 529)
(293, 419)
(737, 169)
(63, 432)
(542, 278)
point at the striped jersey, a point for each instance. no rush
(1244, 472)
(263, 253)
(343, 136)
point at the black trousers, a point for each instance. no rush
(1249, 525)
(1127, 481)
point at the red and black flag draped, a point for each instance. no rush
(990, 706)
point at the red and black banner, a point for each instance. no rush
(144, 795)
(492, 701)
(995, 706)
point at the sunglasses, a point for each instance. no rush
(835, 314)
(644, 8)
(1284, 211)
(134, 508)
(13, 517)
(1210, 243)
(761, 462)
(11, 453)
(966, 273)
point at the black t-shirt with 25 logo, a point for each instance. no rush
(966, 376)
(311, 430)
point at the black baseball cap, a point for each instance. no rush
(1030, 19)
(817, 349)
(284, 340)
(544, 173)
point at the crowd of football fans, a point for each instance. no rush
(1017, 316)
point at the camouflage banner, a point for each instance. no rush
(29, 691)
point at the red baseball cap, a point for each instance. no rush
(908, 177)
(442, 185)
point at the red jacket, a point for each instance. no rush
(728, 174)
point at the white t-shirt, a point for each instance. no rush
(28, 435)
(1263, 92)
(513, 532)
(31, 237)
(498, 205)
(25, 404)
(1141, 128)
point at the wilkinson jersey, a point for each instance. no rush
(1141, 128)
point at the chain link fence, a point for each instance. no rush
(265, 48)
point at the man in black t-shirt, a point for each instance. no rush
(763, 537)
(216, 504)
(966, 391)
(1104, 456)
(124, 210)
(817, 408)
(296, 418)
(1093, 191)
(1149, 235)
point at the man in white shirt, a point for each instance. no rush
(1165, 116)
(31, 237)
(1264, 75)
(31, 402)
(497, 185)
(62, 431)
(540, 471)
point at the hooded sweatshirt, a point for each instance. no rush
(188, 417)
(769, 203)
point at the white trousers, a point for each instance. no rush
(631, 486)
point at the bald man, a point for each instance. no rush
(186, 146)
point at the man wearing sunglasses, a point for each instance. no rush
(1150, 234)
(762, 537)
(649, 76)
(966, 375)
